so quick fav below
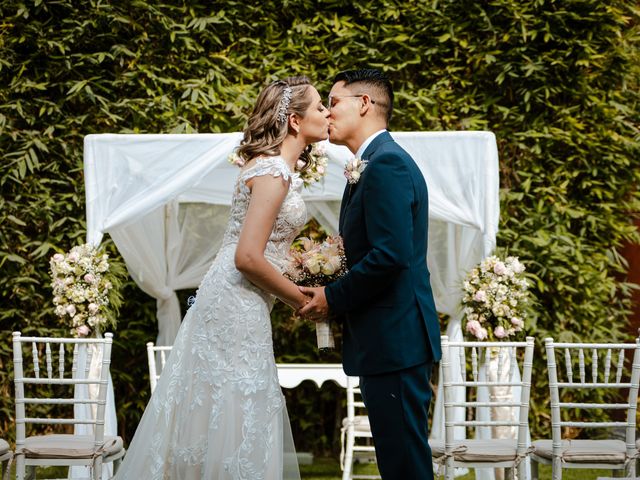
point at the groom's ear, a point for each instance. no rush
(365, 104)
(294, 122)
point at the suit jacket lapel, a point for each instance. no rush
(343, 207)
(384, 137)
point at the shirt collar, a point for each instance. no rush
(367, 142)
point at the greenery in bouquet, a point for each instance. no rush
(495, 299)
(86, 290)
(312, 264)
(314, 171)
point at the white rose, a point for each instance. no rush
(355, 175)
(71, 310)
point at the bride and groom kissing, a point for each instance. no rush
(218, 411)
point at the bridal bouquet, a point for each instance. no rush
(495, 297)
(81, 289)
(315, 171)
(315, 264)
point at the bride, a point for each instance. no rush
(218, 411)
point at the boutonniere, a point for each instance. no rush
(353, 169)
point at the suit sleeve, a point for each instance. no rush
(388, 199)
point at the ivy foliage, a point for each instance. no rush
(557, 81)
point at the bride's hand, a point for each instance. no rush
(317, 308)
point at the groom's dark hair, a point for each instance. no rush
(378, 82)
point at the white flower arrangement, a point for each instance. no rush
(314, 172)
(81, 289)
(495, 297)
(317, 168)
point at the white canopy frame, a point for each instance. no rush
(164, 200)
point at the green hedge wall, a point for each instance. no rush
(556, 81)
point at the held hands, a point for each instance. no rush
(317, 308)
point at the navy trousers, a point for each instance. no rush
(398, 408)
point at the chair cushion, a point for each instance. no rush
(474, 450)
(360, 423)
(585, 451)
(4, 447)
(68, 446)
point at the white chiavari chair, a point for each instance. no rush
(355, 435)
(614, 370)
(155, 355)
(54, 385)
(492, 365)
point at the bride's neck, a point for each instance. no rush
(291, 150)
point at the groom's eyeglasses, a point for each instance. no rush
(331, 103)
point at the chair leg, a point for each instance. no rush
(449, 470)
(522, 470)
(347, 473)
(97, 469)
(630, 470)
(556, 468)
(20, 467)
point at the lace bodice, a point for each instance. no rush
(290, 220)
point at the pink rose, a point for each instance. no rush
(82, 331)
(320, 169)
(480, 296)
(93, 308)
(474, 328)
(89, 278)
(73, 257)
(499, 268)
(517, 322)
(71, 310)
(500, 332)
(58, 257)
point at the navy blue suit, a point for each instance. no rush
(391, 333)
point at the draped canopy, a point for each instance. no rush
(164, 200)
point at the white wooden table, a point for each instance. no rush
(293, 374)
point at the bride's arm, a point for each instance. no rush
(267, 195)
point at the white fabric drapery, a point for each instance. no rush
(164, 201)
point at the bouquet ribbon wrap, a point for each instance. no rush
(324, 335)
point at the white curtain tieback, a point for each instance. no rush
(166, 293)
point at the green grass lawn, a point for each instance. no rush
(329, 469)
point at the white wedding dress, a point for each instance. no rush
(218, 411)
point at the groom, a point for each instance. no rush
(391, 334)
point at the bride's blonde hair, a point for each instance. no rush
(268, 124)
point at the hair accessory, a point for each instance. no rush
(284, 104)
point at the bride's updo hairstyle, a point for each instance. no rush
(268, 124)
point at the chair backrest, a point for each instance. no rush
(59, 354)
(609, 367)
(492, 365)
(154, 351)
(355, 404)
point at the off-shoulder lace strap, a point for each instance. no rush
(275, 166)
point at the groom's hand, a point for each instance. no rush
(317, 308)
